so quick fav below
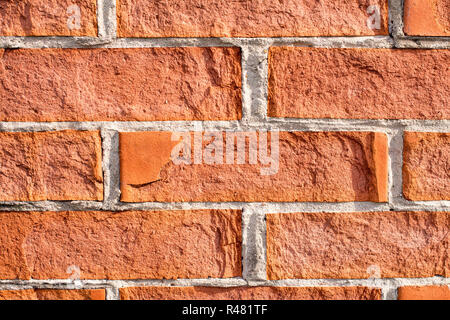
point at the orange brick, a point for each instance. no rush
(61, 165)
(48, 18)
(120, 245)
(358, 245)
(313, 166)
(262, 18)
(139, 84)
(358, 83)
(250, 293)
(50, 294)
(424, 293)
(426, 162)
(427, 17)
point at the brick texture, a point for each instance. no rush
(249, 293)
(427, 17)
(263, 18)
(313, 166)
(61, 165)
(50, 294)
(358, 245)
(120, 245)
(224, 115)
(120, 84)
(426, 167)
(358, 83)
(48, 18)
(424, 293)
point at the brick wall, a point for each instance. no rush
(351, 96)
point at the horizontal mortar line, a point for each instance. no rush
(221, 282)
(272, 123)
(264, 207)
(402, 204)
(335, 42)
(12, 42)
(388, 123)
(423, 38)
(122, 283)
(105, 42)
(405, 42)
(23, 284)
(423, 45)
(325, 42)
(17, 206)
(369, 41)
(437, 280)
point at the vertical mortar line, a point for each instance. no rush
(263, 68)
(110, 164)
(253, 244)
(101, 32)
(246, 89)
(254, 110)
(112, 293)
(254, 82)
(396, 19)
(396, 167)
(107, 19)
(262, 233)
(389, 289)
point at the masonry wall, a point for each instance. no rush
(93, 207)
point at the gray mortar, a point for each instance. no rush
(254, 106)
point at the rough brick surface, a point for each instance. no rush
(62, 165)
(249, 293)
(426, 167)
(358, 245)
(47, 18)
(427, 17)
(121, 245)
(424, 293)
(313, 166)
(263, 18)
(48, 294)
(358, 83)
(120, 84)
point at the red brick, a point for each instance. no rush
(427, 17)
(263, 18)
(143, 84)
(49, 294)
(426, 166)
(424, 293)
(120, 245)
(313, 166)
(61, 165)
(358, 83)
(358, 245)
(47, 18)
(250, 293)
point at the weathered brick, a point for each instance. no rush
(120, 245)
(358, 83)
(263, 18)
(313, 166)
(138, 84)
(61, 165)
(48, 18)
(424, 293)
(427, 17)
(250, 293)
(358, 245)
(49, 294)
(426, 166)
